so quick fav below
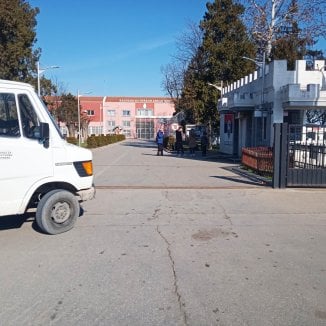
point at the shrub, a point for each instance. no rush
(72, 140)
(91, 141)
(103, 140)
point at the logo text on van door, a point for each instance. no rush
(5, 155)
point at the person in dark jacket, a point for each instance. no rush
(160, 141)
(204, 143)
(179, 141)
(192, 142)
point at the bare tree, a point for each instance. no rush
(267, 19)
(187, 45)
(172, 80)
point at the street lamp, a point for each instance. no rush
(261, 65)
(78, 110)
(219, 88)
(258, 63)
(39, 72)
(102, 115)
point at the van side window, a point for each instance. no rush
(9, 126)
(29, 119)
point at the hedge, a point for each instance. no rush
(103, 140)
(72, 140)
(98, 141)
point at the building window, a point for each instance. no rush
(90, 112)
(110, 113)
(144, 112)
(127, 133)
(126, 123)
(95, 130)
(145, 128)
(126, 113)
(111, 123)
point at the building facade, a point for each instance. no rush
(249, 107)
(135, 117)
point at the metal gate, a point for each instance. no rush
(299, 156)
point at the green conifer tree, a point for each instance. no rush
(218, 59)
(17, 38)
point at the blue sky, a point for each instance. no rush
(111, 47)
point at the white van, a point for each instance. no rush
(38, 168)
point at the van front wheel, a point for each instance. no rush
(57, 211)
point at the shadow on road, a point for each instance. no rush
(242, 181)
(139, 143)
(15, 221)
(9, 222)
(253, 177)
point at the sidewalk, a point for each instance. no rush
(167, 171)
(234, 165)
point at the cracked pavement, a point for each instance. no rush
(171, 241)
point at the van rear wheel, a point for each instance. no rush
(57, 211)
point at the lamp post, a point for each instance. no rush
(78, 110)
(258, 63)
(261, 65)
(219, 88)
(39, 72)
(102, 117)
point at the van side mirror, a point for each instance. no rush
(45, 134)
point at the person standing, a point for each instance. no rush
(160, 141)
(192, 142)
(179, 141)
(204, 143)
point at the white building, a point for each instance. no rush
(250, 106)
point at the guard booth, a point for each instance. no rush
(299, 156)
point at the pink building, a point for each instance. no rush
(136, 117)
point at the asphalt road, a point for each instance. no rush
(170, 241)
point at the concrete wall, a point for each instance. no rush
(245, 95)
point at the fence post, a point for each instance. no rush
(283, 154)
(280, 153)
(276, 155)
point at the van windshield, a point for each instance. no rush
(52, 119)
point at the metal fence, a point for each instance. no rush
(307, 147)
(299, 156)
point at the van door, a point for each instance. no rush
(24, 161)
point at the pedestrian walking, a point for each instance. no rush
(179, 141)
(204, 143)
(192, 142)
(160, 141)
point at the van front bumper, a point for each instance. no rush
(87, 194)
